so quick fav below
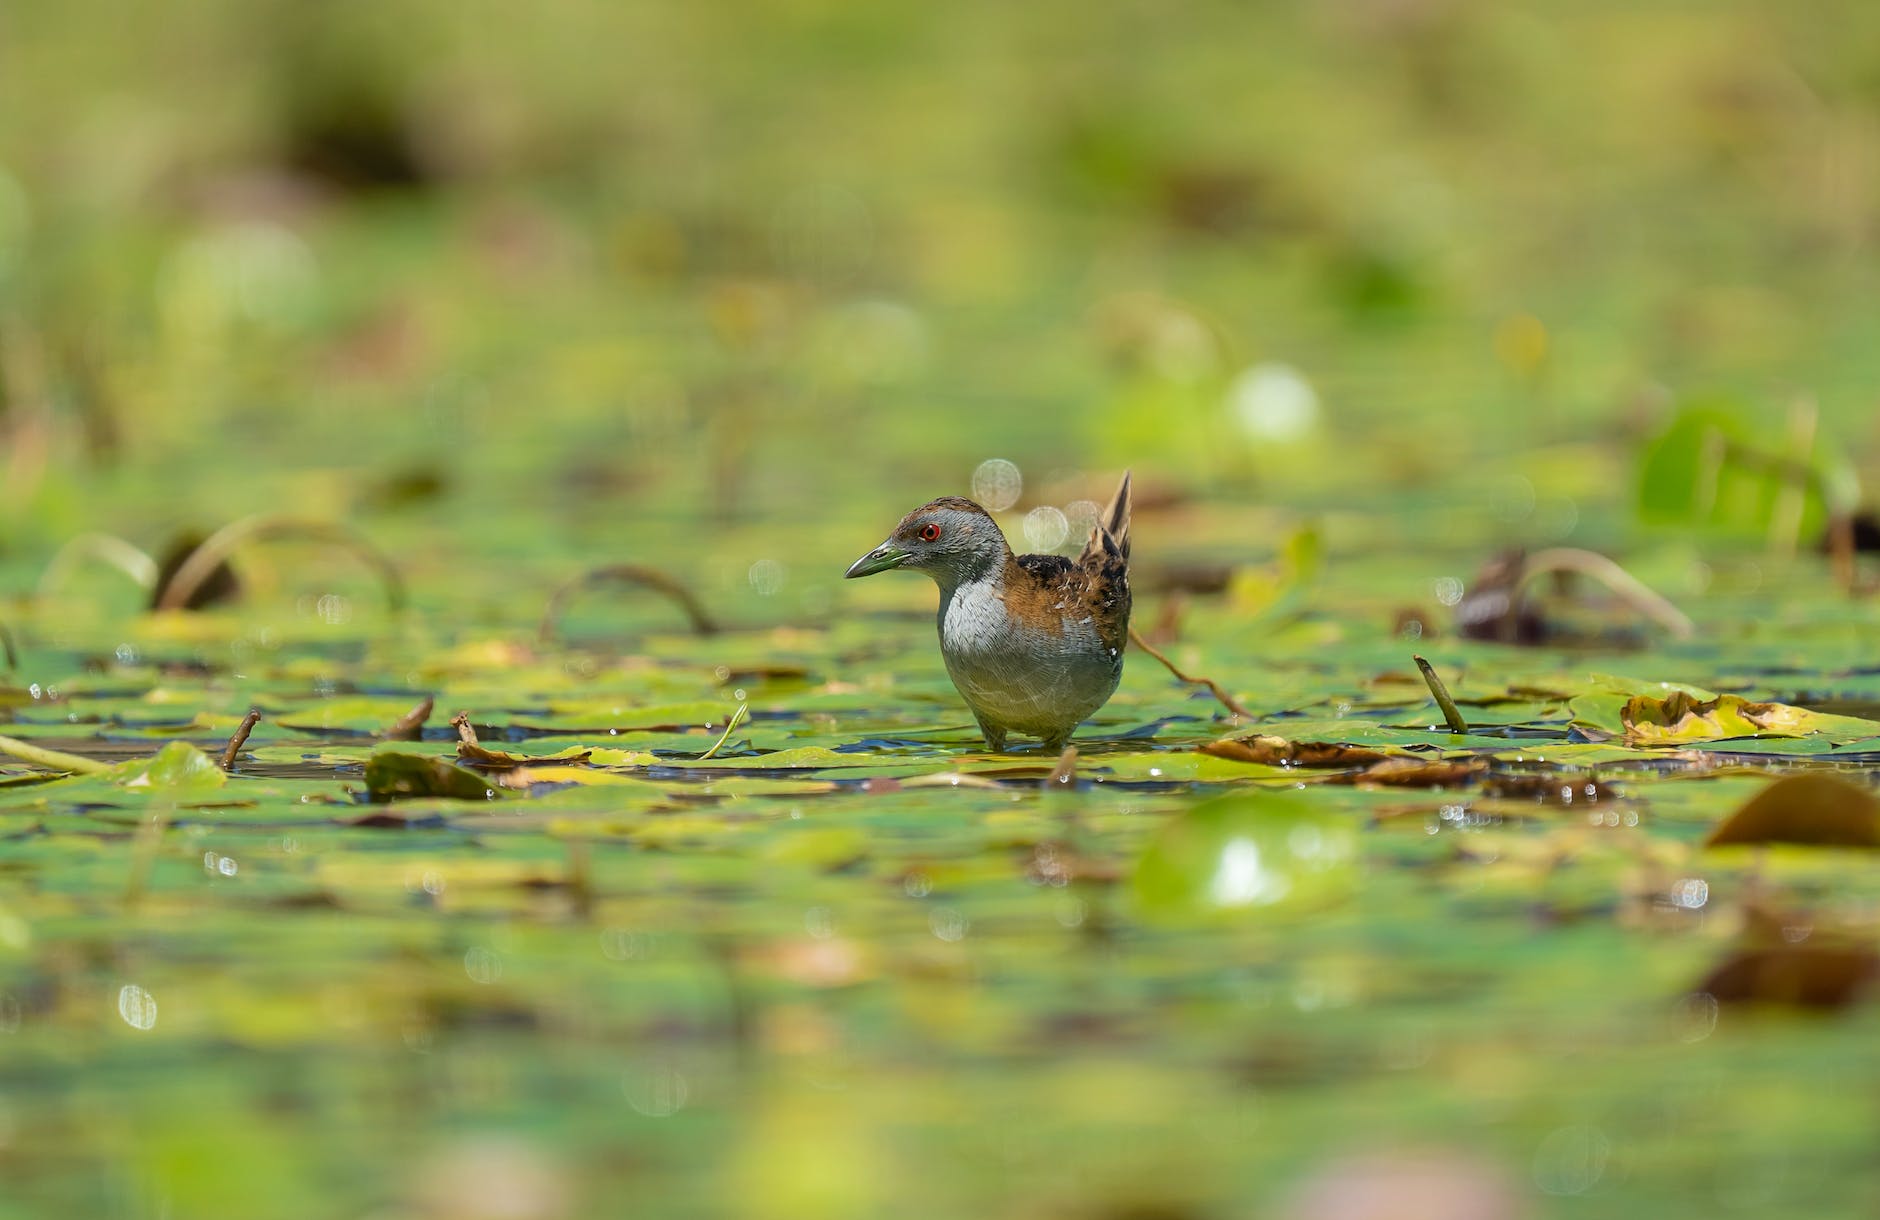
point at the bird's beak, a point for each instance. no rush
(883, 557)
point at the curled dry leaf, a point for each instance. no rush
(477, 755)
(1681, 717)
(1817, 809)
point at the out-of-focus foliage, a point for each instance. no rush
(1365, 291)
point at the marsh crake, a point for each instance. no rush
(1034, 643)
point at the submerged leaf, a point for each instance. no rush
(1248, 850)
(1801, 975)
(394, 775)
(1817, 809)
(1279, 752)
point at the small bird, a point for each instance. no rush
(1034, 643)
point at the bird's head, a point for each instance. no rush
(951, 539)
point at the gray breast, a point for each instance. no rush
(1034, 681)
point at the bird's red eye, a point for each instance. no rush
(929, 532)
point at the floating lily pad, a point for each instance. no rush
(1248, 851)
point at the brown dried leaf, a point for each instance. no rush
(1817, 809)
(1802, 975)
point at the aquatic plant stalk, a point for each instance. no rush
(53, 760)
(1628, 587)
(1214, 688)
(1451, 715)
(632, 574)
(737, 718)
(215, 549)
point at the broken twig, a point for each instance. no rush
(239, 738)
(410, 726)
(1065, 773)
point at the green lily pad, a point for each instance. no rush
(396, 775)
(177, 765)
(1247, 851)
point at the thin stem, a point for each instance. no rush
(217, 547)
(737, 718)
(631, 574)
(1064, 774)
(52, 760)
(1785, 523)
(1214, 687)
(410, 726)
(1629, 588)
(126, 557)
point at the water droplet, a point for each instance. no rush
(482, 964)
(949, 923)
(658, 1090)
(137, 1006)
(1571, 1160)
(767, 577)
(997, 484)
(1273, 403)
(1046, 528)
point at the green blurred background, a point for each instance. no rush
(740, 262)
(522, 288)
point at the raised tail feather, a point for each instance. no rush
(1112, 530)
